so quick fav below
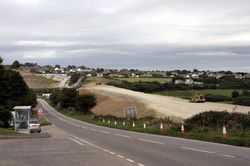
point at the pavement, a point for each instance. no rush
(80, 143)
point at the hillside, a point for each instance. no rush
(163, 105)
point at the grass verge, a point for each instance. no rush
(7, 132)
(237, 138)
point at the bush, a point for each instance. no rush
(217, 98)
(215, 119)
(243, 100)
(85, 102)
(235, 94)
(5, 117)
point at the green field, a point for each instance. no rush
(186, 94)
(90, 79)
(46, 80)
(134, 79)
(7, 132)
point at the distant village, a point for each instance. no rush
(181, 76)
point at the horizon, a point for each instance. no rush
(161, 35)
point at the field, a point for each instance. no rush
(175, 108)
(47, 80)
(134, 79)
(186, 94)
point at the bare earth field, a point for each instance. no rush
(108, 105)
(34, 82)
(175, 108)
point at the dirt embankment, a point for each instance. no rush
(175, 108)
(35, 82)
(114, 106)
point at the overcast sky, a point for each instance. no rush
(143, 34)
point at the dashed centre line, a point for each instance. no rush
(198, 150)
(121, 135)
(78, 142)
(155, 142)
(132, 161)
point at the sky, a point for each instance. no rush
(141, 34)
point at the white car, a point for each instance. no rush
(34, 126)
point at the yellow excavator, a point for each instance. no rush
(197, 98)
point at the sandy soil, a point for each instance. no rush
(111, 106)
(163, 105)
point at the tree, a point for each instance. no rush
(1, 60)
(85, 102)
(57, 66)
(68, 97)
(235, 94)
(5, 116)
(15, 64)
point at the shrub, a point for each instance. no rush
(243, 100)
(85, 102)
(217, 98)
(235, 94)
(5, 117)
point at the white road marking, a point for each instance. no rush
(227, 155)
(105, 132)
(140, 164)
(112, 153)
(198, 150)
(120, 156)
(76, 141)
(120, 135)
(93, 129)
(155, 142)
(132, 161)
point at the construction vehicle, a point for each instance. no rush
(197, 98)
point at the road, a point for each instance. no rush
(146, 149)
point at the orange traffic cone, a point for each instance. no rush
(224, 132)
(144, 126)
(182, 129)
(161, 127)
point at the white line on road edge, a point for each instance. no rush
(226, 155)
(155, 142)
(93, 129)
(105, 132)
(77, 139)
(132, 161)
(72, 139)
(197, 150)
(120, 135)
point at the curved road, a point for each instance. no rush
(146, 149)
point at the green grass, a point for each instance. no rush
(7, 132)
(90, 79)
(134, 79)
(187, 94)
(46, 80)
(237, 138)
(44, 121)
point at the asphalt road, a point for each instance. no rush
(146, 149)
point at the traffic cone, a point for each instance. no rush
(123, 123)
(115, 123)
(144, 126)
(182, 129)
(133, 124)
(224, 132)
(161, 127)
